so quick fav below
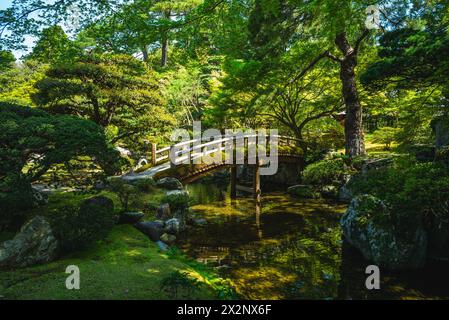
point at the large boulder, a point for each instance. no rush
(130, 217)
(153, 229)
(367, 225)
(303, 191)
(40, 198)
(34, 244)
(345, 193)
(169, 183)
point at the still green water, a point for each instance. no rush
(287, 248)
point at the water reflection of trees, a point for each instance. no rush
(310, 258)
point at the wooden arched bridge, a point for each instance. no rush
(180, 160)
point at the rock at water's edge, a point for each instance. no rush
(366, 225)
(153, 229)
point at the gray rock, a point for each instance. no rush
(168, 238)
(130, 217)
(40, 198)
(173, 226)
(34, 244)
(153, 229)
(169, 183)
(367, 226)
(163, 212)
(344, 193)
(303, 191)
(162, 246)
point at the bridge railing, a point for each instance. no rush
(191, 149)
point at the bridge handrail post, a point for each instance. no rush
(153, 153)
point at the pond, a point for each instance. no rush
(286, 248)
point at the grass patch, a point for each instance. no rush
(126, 265)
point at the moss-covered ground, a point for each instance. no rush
(125, 265)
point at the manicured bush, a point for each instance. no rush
(325, 172)
(177, 199)
(77, 227)
(33, 141)
(16, 197)
(125, 191)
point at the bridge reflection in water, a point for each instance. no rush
(286, 248)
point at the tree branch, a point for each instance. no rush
(325, 54)
(365, 34)
(331, 56)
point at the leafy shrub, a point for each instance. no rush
(386, 136)
(177, 282)
(325, 172)
(77, 227)
(145, 185)
(442, 155)
(33, 141)
(176, 199)
(16, 197)
(125, 192)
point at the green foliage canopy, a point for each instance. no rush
(31, 141)
(111, 90)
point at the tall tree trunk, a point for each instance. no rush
(164, 42)
(355, 144)
(164, 56)
(145, 53)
